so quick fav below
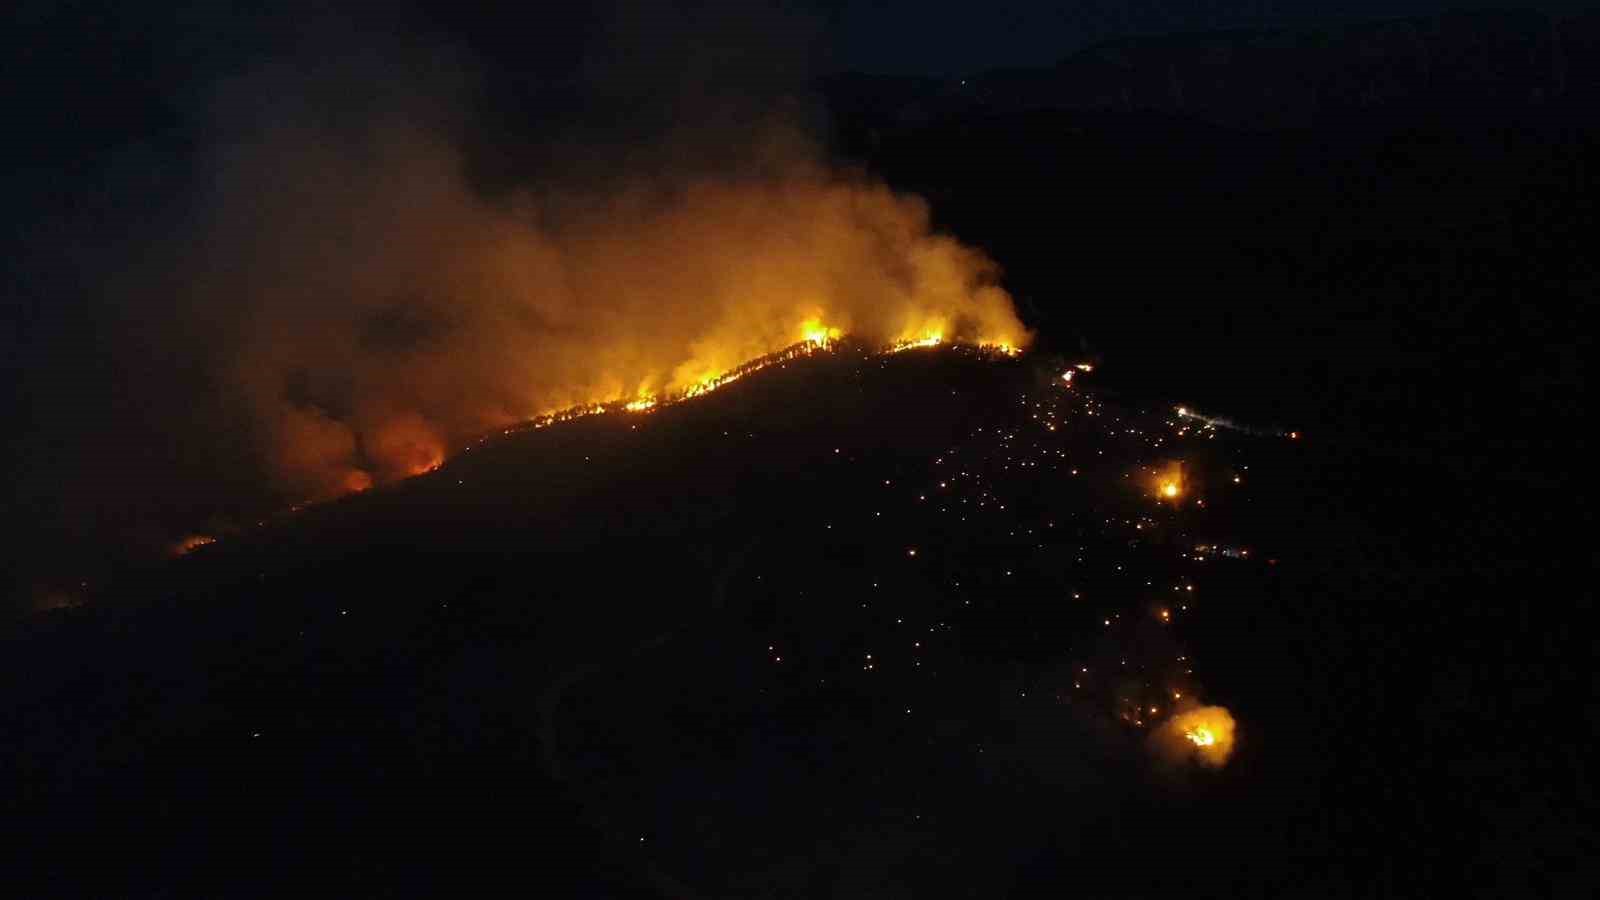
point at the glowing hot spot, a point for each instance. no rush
(1204, 734)
(819, 334)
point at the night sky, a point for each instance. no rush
(87, 78)
(949, 39)
(159, 53)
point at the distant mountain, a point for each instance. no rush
(1480, 66)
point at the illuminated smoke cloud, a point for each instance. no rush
(405, 445)
(349, 259)
(383, 312)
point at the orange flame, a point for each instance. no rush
(190, 543)
(1204, 734)
(1170, 483)
(815, 338)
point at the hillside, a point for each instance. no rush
(853, 623)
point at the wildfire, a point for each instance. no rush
(1203, 733)
(191, 543)
(1169, 483)
(819, 334)
(1000, 347)
(416, 450)
(711, 382)
(933, 339)
(815, 338)
(424, 466)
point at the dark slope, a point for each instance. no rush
(629, 656)
(389, 650)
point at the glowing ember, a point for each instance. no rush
(641, 405)
(1201, 736)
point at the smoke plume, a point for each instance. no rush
(386, 311)
(351, 271)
